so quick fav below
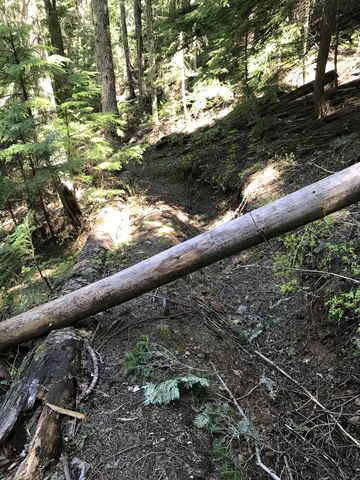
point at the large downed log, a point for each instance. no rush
(30, 419)
(299, 208)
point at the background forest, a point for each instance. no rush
(202, 110)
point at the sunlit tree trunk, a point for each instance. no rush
(336, 46)
(326, 30)
(104, 57)
(152, 59)
(125, 42)
(139, 47)
(246, 63)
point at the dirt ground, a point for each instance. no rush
(290, 370)
(194, 319)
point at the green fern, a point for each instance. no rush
(139, 362)
(165, 392)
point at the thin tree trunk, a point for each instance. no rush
(336, 47)
(152, 59)
(299, 208)
(246, 62)
(104, 57)
(306, 37)
(125, 41)
(183, 77)
(139, 47)
(326, 30)
(57, 44)
(11, 211)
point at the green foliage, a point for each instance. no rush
(342, 303)
(226, 465)
(323, 246)
(16, 249)
(220, 418)
(140, 362)
(169, 390)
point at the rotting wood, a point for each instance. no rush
(47, 375)
(299, 208)
(45, 387)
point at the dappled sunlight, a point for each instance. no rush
(178, 125)
(114, 225)
(262, 184)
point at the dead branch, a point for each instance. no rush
(353, 440)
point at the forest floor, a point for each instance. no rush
(228, 322)
(228, 319)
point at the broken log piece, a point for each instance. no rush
(307, 88)
(299, 208)
(47, 375)
(46, 381)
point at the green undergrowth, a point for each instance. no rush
(28, 290)
(165, 379)
(322, 260)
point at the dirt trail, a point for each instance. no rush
(196, 319)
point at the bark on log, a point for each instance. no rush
(299, 208)
(47, 375)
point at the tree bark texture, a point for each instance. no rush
(299, 208)
(152, 60)
(57, 44)
(139, 47)
(326, 30)
(125, 41)
(104, 57)
(48, 376)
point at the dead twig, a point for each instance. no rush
(66, 468)
(311, 396)
(95, 373)
(304, 270)
(236, 404)
(288, 468)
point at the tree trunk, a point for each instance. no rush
(306, 37)
(299, 208)
(336, 46)
(11, 211)
(326, 30)
(104, 57)
(183, 77)
(57, 44)
(152, 59)
(125, 41)
(139, 47)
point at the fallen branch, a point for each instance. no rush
(65, 463)
(95, 374)
(311, 397)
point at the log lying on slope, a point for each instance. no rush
(48, 374)
(299, 208)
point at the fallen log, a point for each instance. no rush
(47, 376)
(299, 92)
(299, 208)
(44, 390)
